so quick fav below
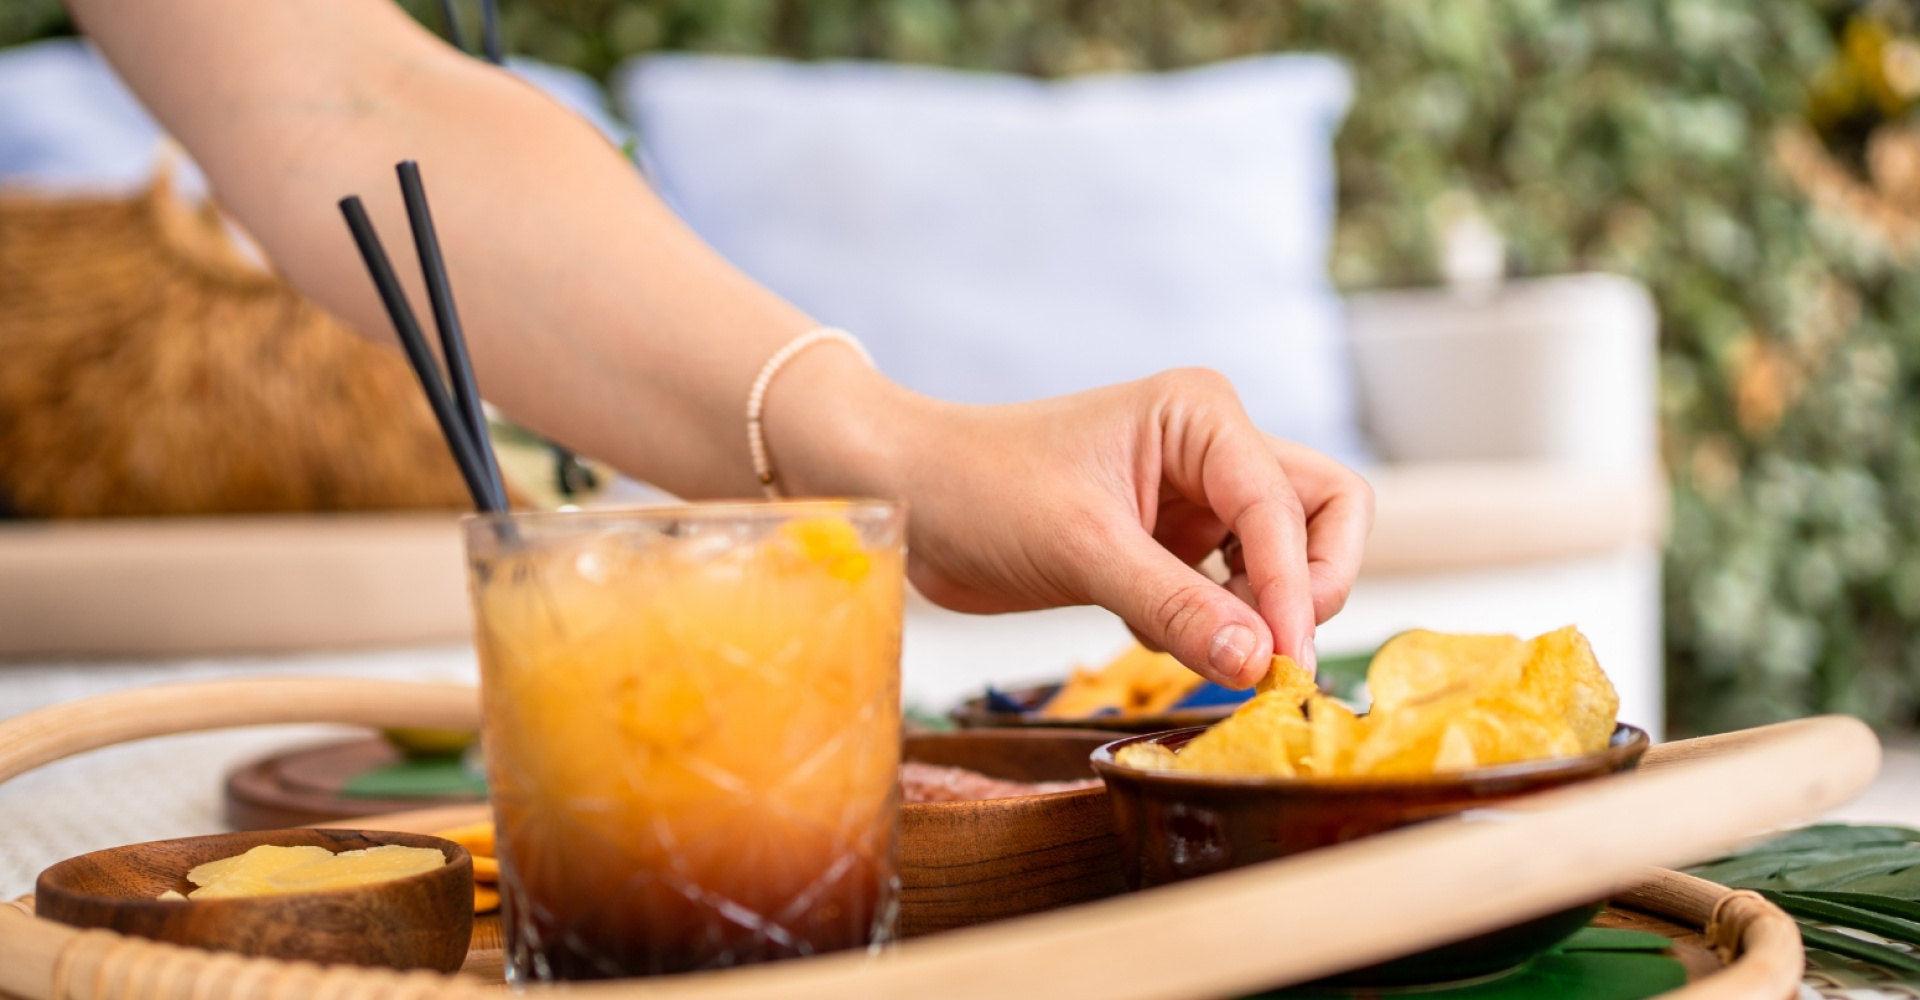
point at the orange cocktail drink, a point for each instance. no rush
(692, 730)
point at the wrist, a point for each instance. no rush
(835, 426)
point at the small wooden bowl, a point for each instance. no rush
(420, 921)
(1175, 826)
(964, 863)
(975, 714)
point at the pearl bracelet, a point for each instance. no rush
(757, 396)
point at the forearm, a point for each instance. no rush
(593, 314)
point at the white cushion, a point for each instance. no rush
(995, 238)
(69, 125)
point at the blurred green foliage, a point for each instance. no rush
(1635, 136)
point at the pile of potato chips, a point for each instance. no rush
(1441, 703)
(1137, 682)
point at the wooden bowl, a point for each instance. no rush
(1175, 826)
(975, 714)
(420, 921)
(965, 863)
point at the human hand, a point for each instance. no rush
(1111, 497)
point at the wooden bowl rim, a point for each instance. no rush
(459, 862)
(1015, 734)
(1005, 802)
(1623, 752)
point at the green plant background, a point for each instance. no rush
(1625, 135)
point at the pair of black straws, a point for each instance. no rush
(461, 418)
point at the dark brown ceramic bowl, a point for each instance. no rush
(1180, 826)
(419, 921)
(974, 714)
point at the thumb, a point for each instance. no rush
(1171, 606)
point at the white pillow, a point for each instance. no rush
(69, 125)
(995, 238)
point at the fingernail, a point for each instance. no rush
(1228, 654)
(1307, 656)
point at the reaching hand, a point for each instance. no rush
(1111, 497)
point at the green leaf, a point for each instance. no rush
(1556, 975)
(1831, 836)
(1803, 849)
(1853, 947)
(1344, 675)
(1888, 905)
(426, 777)
(1902, 884)
(1753, 871)
(1828, 911)
(1614, 939)
(1871, 869)
(1834, 868)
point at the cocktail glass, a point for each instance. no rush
(692, 731)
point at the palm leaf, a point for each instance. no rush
(1853, 947)
(1839, 914)
(1888, 905)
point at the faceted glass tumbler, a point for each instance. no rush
(692, 730)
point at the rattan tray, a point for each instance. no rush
(1336, 909)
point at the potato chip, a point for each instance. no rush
(1086, 693)
(1335, 733)
(1560, 670)
(1501, 730)
(1257, 739)
(485, 869)
(1442, 703)
(1137, 682)
(1161, 683)
(1146, 757)
(477, 838)
(1420, 665)
(1405, 741)
(1456, 751)
(1289, 678)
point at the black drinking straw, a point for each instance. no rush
(464, 447)
(490, 32)
(453, 341)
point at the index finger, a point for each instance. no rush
(1247, 488)
(1338, 504)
